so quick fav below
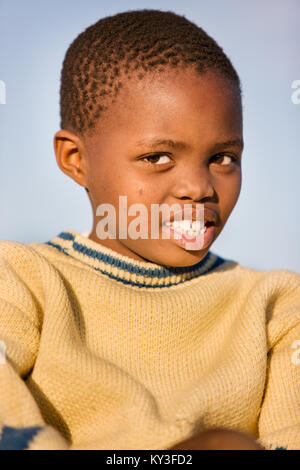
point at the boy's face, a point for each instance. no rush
(201, 111)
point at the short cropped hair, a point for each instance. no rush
(126, 44)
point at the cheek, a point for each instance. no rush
(238, 185)
(235, 187)
(106, 182)
(228, 191)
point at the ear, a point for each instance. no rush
(70, 156)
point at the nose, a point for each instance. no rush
(195, 184)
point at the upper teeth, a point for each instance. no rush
(187, 226)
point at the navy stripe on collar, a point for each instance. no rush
(150, 273)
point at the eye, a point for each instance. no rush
(224, 160)
(156, 157)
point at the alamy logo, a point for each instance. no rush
(2, 92)
(296, 94)
(296, 354)
(2, 352)
(187, 222)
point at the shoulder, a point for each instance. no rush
(275, 289)
(278, 291)
(263, 281)
(268, 281)
(18, 254)
(275, 283)
(27, 262)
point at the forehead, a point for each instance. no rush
(178, 101)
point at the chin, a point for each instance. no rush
(170, 256)
(179, 259)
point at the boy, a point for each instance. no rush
(130, 342)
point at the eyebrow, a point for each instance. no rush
(155, 142)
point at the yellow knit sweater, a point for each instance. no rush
(100, 351)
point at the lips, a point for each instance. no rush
(199, 241)
(210, 216)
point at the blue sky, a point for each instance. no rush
(262, 39)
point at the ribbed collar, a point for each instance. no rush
(127, 270)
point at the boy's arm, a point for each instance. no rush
(279, 420)
(21, 423)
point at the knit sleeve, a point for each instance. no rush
(21, 423)
(279, 420)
